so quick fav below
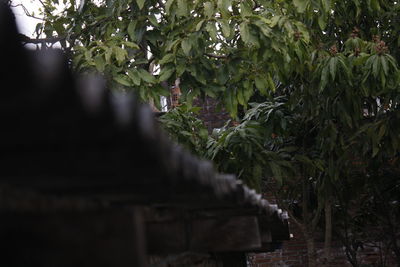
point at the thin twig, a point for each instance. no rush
(216, 56)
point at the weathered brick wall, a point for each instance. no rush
(210, 114)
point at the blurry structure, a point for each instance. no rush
(88, 179)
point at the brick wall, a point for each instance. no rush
(210, 114)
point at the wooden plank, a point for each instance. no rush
(231, 259)
(225, 234)
(239, 233)
(166, 237)
(102, 238)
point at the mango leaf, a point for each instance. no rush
(333, 66)
(246, 9)
(120, 54)
(186, 46)
(199, 25)
(134, 76)
(212, 30)
(322, 22)
(384, 64)
(226, 29)
(261, 84)
(140, 3)
(99, 63)
(375, 66)
(166, 72)
(146, 76)
(108, 55)
(131, 45)
(180, 69)
(301, 5)
(183, 8)
(223, 6)
(240, 96)
(168, 5)
(131, 30)
(244, 32)
(231, 102)
(167, 58)
(122, 79)
(153, 20)
(326, 5)
(271, 83)
(324, 77)
(209, 9)
(222, 74)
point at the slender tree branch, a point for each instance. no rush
(26, 40)
(215, 56)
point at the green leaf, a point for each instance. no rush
(212, 30)
(301, 5)
(120, 54)
(375, 66)
(131, 45)
(324, 78)
(375, 5)
(326, 5)
(222, 74)
(167, 58)
(153, 20)
(271, 83)
(182, 8)
(146, 76)
(244, 32)
(322, 22)
(180, 69)
(100, 63)
(240, 96)
(140, 3)
(168, 5)
(384, 64)
(198, 26)
(223, 6)
(333, 67)
(261, 84)
(122, 79)
(186, 46)
(131, 30)
(134, 76)
(108, 55)
(166, 72)
(246, 9)
(209, 9)
(226, 29)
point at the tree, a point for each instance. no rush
(323, 76)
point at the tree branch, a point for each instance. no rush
(215, 56)
(26, 40)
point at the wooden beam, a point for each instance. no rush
(240, 233)
(101, 238)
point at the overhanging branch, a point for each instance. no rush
(26, 40)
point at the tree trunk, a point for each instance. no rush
(328, 231)
(312, 256)
(308, 227)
